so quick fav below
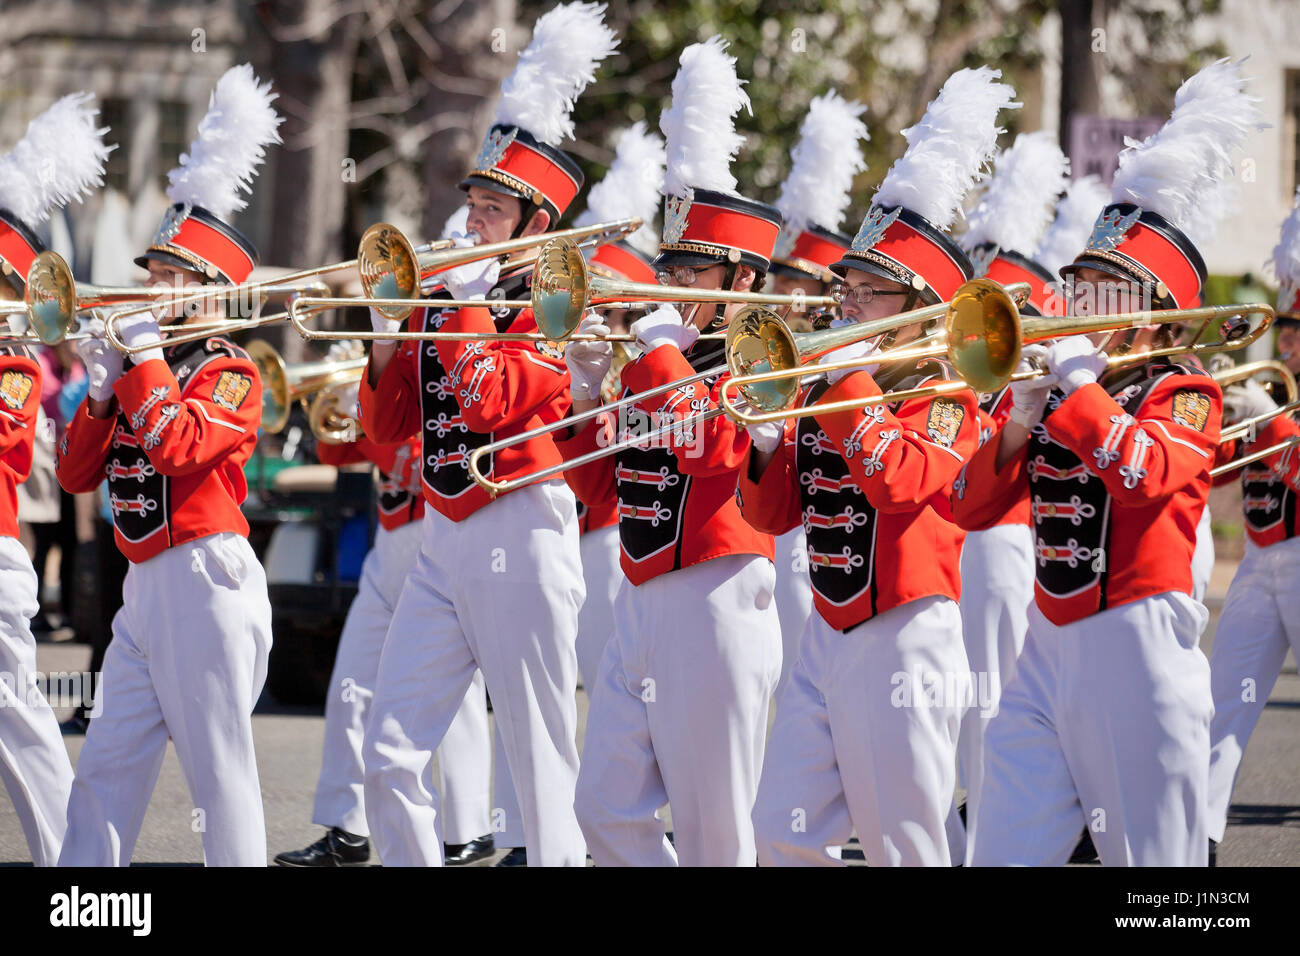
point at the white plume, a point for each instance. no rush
(947, 150)
(1184, 168)
(1286, 254)
(1075, 215)
(59, 159)
(568, 44)
(699, 124)
(823, 164)
(632, 186)
(233, 136)
(1017, 204)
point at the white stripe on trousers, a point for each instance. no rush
(499, 592)
(1106, 724)
(34, 764)
(188, 658)
(678, 716)
(1260, 620)
(860, 742)
(464, 757)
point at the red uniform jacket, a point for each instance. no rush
(20, 398)
(400, 500)
(1116, 476)
(676, 498)
(175, 452)
(463, 395)
(870, 487)
(1269, 487)
(994, 412)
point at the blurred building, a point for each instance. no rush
(151, 65)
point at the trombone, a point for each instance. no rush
(283, 384)
(1246, 428)
(388, 266)
(563, 288)
(747, 334)
(982, 338)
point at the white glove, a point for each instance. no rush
(345, 349)
(103, 362)
(766, 436)
(664, 326)
(18, 323)
(473, 280)
(1248, 399)
(858, 350)
(346, 397)
(1076, 362)
(589, 362)
(383, 325)
(1029, 397)
(140, 331)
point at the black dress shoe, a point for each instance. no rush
(74, 726)
(1214, 853)
(1085, 851)
(458, 854)
(336, 848)
(516, 857)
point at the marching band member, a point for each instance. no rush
(631, 188)
(465, 755)
(33, 761)
(679, 709)
(497, 584)
(1259, 619)
(173, 428)
(812, 203)
(870, 488)
(1106, 721)
(997, 564)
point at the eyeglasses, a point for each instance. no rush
(862, 294)
(679, 275)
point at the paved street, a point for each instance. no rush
(1264, 828)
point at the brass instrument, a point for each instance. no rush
(1245, 429)
(562, 291)
(747, 335)
(982, 338)
(390, 269)
(283, 384)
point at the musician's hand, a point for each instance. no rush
(383, 325)
(346, 398)
(473, 280)
(1075, 361)
(664, 326)
(345, 349)
(18, 323)
(1029, 397)
(588, 362)
(1248, 399)
(141, 332)
(857, 350)
(103, 362)
(766, 436)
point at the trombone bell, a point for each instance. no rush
(389, 268)
(983, 334)
(758, 341)
(559, 292)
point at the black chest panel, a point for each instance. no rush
(651, 491)
(138, 496)
(1266, 500)
(1069, 506)
(395, 494)
(447, 442)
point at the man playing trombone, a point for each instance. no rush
(1259, 620)
(497, 584)
(858, 743)
(1106, 721)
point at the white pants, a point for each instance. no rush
(498, 592)
(465, 754)
(1260, 620)
(1106, 724)
(1202, 557)
(34, 763)
(997, 588)
(188, 658)
(601, 571)
(794, 600)
(859, 742)
(678, 716)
